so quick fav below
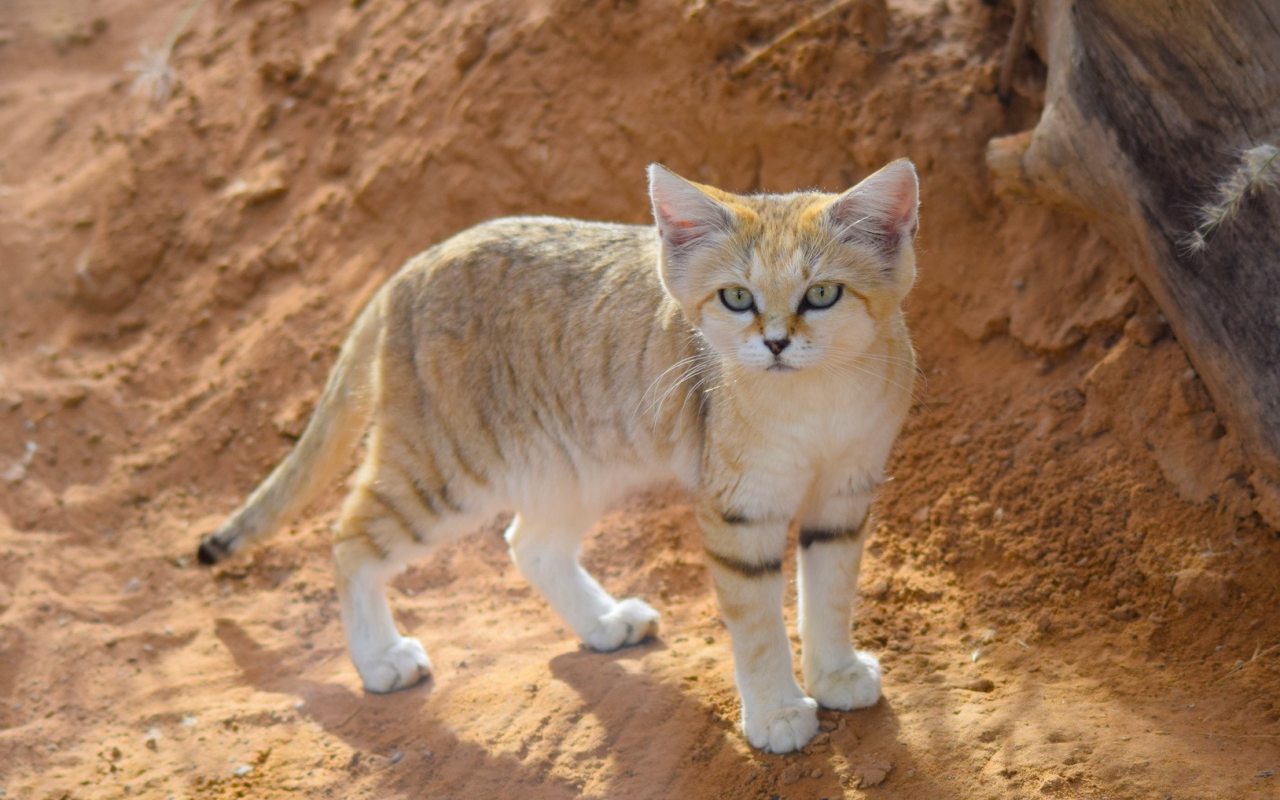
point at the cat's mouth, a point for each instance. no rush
(778, 366)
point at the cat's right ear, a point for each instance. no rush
(687, 217)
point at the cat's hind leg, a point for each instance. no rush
(388, 520)
(385, 659)
(546, 552)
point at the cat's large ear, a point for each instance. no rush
(687, 217)
(692, 225)
(881, 212)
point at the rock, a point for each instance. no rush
(1266, 499)
(293, 418)
(1145, 329)
(877, 589)
(873, 773)
(74, 396)
(979, 685)
(475, 41)
(1189, 395)
(1125, 613)
(790, 775)
(17, 471)
(1202, 587)
(265, 183)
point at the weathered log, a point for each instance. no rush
(1151, 107)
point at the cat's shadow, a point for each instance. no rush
(663, 726)
(333, 706)
(396, 742)
(663, 737)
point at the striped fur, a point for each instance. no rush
(551, 366)
(812, 536)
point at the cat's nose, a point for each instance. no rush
(777, 345)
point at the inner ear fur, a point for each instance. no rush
(881, 212)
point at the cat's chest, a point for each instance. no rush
(828, 429)
(846, 432)
(764, 462)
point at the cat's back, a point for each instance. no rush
(548, 336)
(521, 260)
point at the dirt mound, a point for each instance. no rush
(1069, 584)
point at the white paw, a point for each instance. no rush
(784, 729)
(854, 685)
(400, 666)
(630, 622)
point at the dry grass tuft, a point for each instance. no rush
(1258, 169)
(152, 74)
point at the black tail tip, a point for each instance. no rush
(211, 551)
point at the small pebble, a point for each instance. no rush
(396, 756)
(790, 775)
(132, 586)
(1144, 330)
(979, 685)
(242, 770)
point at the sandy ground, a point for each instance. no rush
(1068, 585)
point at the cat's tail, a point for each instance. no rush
(336, 425)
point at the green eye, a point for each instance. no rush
(737, 298)
(821, 295)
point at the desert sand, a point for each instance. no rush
(1068, 583)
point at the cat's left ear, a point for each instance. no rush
(686, 215)
(881, 212)
(692, 224)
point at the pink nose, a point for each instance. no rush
(776, 345)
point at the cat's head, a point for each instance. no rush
(788, 282)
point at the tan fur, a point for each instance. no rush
(550, 366)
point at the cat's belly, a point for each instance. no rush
(576, 482)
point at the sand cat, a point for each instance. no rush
(751, 347)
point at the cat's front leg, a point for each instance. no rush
(745, 559)
(832, 535)
(546, 551)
